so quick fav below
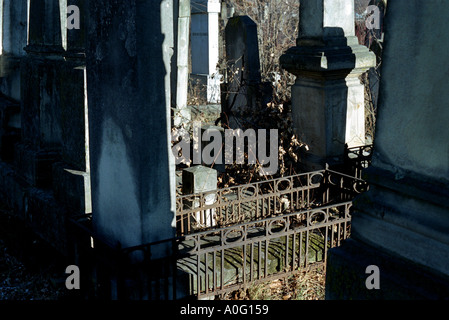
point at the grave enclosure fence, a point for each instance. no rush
(247, 235)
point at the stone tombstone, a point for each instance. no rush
(243, 68)
(401, 224)
(129, 52)
(41, 82)
(205, 51)
(199, 179)
(328, 106)
(36, 73)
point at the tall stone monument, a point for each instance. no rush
(129, 52)
(41, 82)
(328, 97)
(400, 226)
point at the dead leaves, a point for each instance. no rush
(305, 285)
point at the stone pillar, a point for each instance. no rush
(205, 47)
(401, 224)
(182, 113)
(328, 98)
(41, 80)
(130, 46)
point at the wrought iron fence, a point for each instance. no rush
(357, 159)
(257, 232)
(255, 201)
(237, 256)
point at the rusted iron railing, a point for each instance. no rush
(234, 257)
(255, 232)
(357, 159)
(256, 201)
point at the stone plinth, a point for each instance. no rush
(405, 214)
(328, 98)
(200, 179)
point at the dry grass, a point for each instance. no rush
(306, 285)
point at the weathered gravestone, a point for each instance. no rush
(401, 224)
(40, 97)
(200, 179)
(328, 97)
(243, 76)
(47, 175)
(132, 167)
